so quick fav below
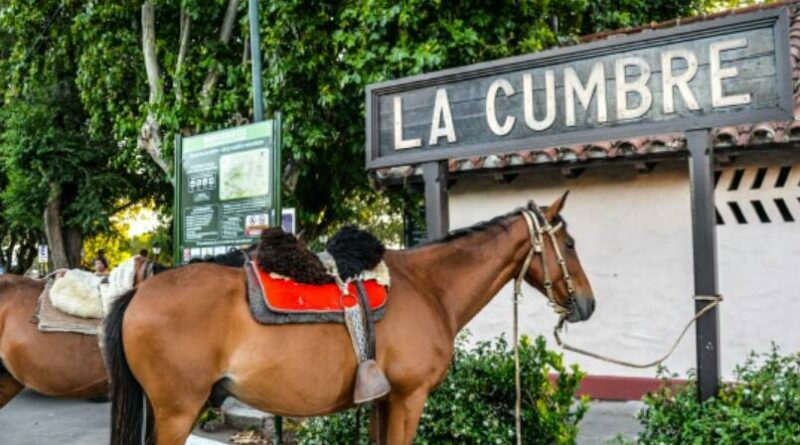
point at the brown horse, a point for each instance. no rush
(189, 332)
(56, 364)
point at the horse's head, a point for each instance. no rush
(554, 268)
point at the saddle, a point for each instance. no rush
(348, 284)
(275, 299)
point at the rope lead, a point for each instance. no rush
(715, 301)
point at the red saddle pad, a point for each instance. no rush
(284, 295)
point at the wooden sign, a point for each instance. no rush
(721, 72)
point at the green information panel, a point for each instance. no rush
(226, 183)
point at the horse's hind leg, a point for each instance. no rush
(177, 395)
(9, 387)
(174, 421)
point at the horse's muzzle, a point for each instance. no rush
(581, 308)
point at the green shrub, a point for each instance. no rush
(763, 407)
(475, 404)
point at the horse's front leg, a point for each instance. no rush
(404, 415)
(9, 387)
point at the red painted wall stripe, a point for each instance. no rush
(609, 387)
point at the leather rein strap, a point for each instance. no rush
(538, 227)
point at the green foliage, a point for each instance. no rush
(46, 146)
(319, 57)
(762, 407)
(15, 237)
(617, 14)
(475, 403)
(76, 90)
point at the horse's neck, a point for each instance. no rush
(468, 272)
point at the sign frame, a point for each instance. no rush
(778, 18)
(275, 184)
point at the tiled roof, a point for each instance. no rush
(741, 136)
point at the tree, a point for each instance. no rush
(104, 87)
(60, 176)
(166, 67)
(17, 241)
(320, 56)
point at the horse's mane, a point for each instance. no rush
(501, 221)
(482, 226)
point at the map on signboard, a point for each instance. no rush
(244, 174)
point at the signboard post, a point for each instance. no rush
(690, 78)
(226, 189)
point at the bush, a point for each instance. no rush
(762, 407)
(475, 404)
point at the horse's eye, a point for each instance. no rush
(570, 243)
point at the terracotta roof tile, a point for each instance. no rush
(749, 135)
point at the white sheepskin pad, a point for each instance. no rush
(81, 294)
(77, 293)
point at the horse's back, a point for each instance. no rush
(53, 363)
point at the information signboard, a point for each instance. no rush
(226, 187)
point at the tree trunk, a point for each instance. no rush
(150, 133)
(224, 37)
(54, 228)
(186, 31)
(73, 243)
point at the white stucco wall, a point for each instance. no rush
(633, 235)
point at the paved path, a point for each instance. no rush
(605, 420)
(32, 419)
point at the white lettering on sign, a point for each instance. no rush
(638, 86)
(399, 142)
(572, 86)
(635, 92)
(491, 112)
(441, 112)
(670, 81)
(550, 101)
(718, 73)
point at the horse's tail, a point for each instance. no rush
(127, 396)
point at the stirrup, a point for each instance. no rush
(371, 383)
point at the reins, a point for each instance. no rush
(715, 301)
(536, 230)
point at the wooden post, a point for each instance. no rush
(704, 240)
(437, 209)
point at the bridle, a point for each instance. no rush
(538, 227)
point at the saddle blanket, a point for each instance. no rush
(51, 319)
(278, 300)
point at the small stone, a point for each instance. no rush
(212, 426)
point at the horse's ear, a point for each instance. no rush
(555, 208)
